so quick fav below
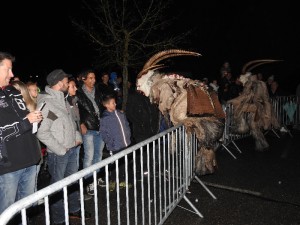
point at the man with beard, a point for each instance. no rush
(58, 132)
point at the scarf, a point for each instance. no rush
(91, 96)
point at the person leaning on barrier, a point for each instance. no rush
(58, 132)
(19, 148)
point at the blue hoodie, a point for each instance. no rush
(115, 130)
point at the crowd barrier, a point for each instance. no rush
(229, 134)
(160, 170)
(287, 110)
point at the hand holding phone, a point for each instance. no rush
(35, 124)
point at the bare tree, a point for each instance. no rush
(125, 33)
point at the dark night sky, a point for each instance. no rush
(42, 38)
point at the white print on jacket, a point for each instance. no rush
(11, 129)
(8, 131)
(122, 129)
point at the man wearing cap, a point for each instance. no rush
(58, 132)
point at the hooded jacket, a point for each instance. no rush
(115, 130)
(58, 129)
(19, 148)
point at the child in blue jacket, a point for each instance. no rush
(114, 129)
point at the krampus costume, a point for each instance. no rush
(185, 101)
(252, 110)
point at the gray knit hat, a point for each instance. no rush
(55, 76)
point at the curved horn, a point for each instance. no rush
(256, 63)
(154, 67)
(150, 64)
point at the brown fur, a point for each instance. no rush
(206, 162)
(171, 96)
(254, 101)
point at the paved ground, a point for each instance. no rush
(257, 188)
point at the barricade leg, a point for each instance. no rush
(206, 188)
(224, 146)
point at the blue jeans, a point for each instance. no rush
(60, 167)
(78, 152)
(17, 185)
(93, 145)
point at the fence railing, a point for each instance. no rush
(287, 109)
(160, 170)
(230, 135)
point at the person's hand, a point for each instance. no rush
(78, 143)
(35, 116)
(83, 129)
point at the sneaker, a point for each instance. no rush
(112, 186)
(86, 197)
(283, 130)
(77, 215)
(101, 183)
(123, 185)
(90, 189)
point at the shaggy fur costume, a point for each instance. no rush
(170, 93)
(253, 112)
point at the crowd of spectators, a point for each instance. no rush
(82, 116)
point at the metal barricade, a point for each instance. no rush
(287, 110)
(230, 135)
(160, 170)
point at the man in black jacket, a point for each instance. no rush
(142, 115)
(19, 147)
(90, 109)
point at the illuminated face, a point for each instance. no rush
(72, 88)
(64, 85)
(5, 72)
(110, 105)
(144, 84)
(90, 80)
(244, 78)
(33, 90)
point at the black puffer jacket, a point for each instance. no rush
(87, 112)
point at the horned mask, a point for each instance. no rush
(144, 78)
(246, 71)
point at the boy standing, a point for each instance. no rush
(114, 127)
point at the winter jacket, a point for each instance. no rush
(143, 116)
(58, 129)
(115, 130)
(88, 115)
(19, 148)
(74, 110)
